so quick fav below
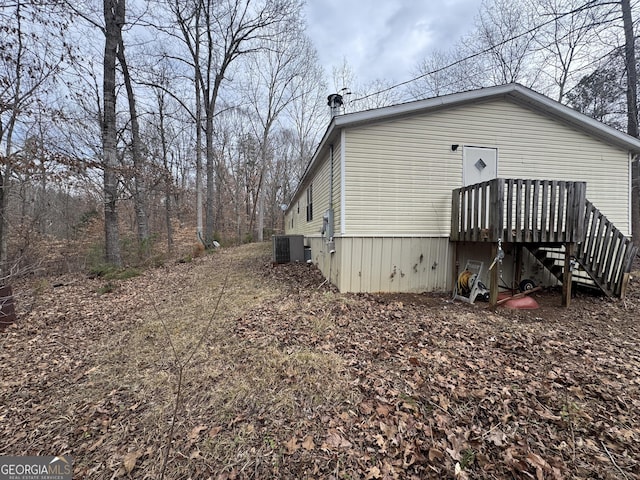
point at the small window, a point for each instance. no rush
(310, 203)
(298, 206)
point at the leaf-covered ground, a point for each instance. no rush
(295, 380)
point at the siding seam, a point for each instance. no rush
(342, 181)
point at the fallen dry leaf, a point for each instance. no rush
(308, 444)
(498, 437)
(539, 463)
(374, 472)
(335, 440)
(382, 410)
(130, 460)
(435, 454)
(195, 432)
(292, 445)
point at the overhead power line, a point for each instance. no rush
(590, 4)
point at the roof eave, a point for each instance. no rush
(513, 91)
(598, 129)
(314, 160)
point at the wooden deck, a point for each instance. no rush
(519, 211)
(539, 213)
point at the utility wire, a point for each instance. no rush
(589, 4)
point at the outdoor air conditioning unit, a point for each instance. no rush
(288, 248)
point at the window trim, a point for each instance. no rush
(310, 203)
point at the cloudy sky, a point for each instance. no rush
(385, 39)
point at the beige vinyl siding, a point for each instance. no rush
(400, 173)
(320, 181)
(337, 188)
(300, 226)
(393, 264)
(398, 181)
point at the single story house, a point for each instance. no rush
(399, 198)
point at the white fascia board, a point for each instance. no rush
(540, 102)
(314, 160)
(513, 91)
(343, 170)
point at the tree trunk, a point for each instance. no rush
(260, 222)
(199, 216)
(632, 75)
(168, 178)
(5, 177)
(114, 19)
(219, 206)
(41, 217)
(260, 199)
(3, 225)
(632, 114)
(139, 181)
(209, 213)
(198, 88)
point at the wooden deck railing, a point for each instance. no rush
(514, 210)
(606, 254)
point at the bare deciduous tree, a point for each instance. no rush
(33, 54)
(137, 154)
(271, 84)
(565, 40)
(114, 17)
(217, 34)
(632, 113)
(505, 32)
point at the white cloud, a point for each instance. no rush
(385, 40)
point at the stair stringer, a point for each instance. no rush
(605, 254)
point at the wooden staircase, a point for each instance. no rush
(602, 258)
(545, 216)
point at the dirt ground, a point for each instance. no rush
(287, 378)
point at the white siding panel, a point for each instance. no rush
(400, 173)
(394, 264)
(320, 181)
(410, 264)
(337, 187)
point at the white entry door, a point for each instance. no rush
(479, 164)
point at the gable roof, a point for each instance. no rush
(513, 92)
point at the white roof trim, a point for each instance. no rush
(512, 91)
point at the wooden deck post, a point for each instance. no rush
(567, 276)
(493, 278)
(517, 274)
(455, 266)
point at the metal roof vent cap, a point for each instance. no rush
(336, 104)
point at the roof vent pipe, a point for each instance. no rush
(336, 105)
